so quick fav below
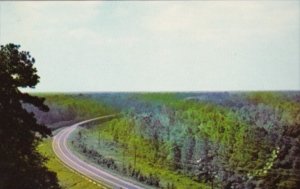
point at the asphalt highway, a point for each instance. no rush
(96, 174)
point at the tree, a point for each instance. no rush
(134, 143)
(21, 166)
(176, 156)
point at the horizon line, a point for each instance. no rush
(166, 91)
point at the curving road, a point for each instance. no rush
(62, 151)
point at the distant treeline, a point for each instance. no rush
(68, 108)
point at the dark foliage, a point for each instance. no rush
(21, 166)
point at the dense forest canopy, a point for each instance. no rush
(199, 140)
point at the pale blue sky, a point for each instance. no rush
(158, 46)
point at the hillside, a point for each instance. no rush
(190, 140)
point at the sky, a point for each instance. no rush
(158, 46)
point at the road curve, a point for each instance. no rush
(96, 174)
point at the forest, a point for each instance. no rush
(188, 140)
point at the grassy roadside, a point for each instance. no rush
(67, 178)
